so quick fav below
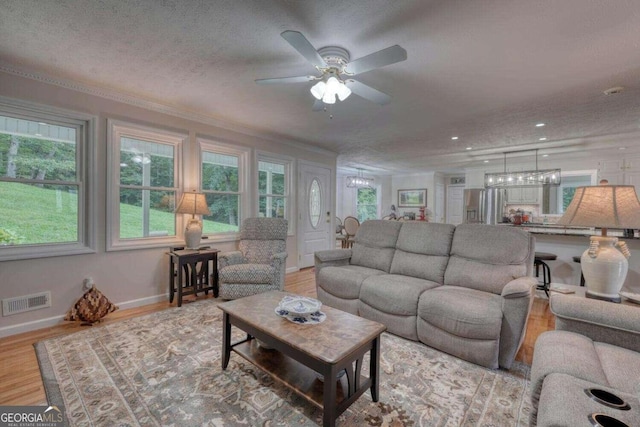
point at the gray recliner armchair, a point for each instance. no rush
(259, 264)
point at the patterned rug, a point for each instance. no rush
(165, 369)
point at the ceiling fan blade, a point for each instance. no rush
(296, 79)
(378, 59)
(367, 92)
(306, 49)
(318, 105)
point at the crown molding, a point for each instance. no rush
(136, 101)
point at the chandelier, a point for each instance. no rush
(530, 178)
(359, 181)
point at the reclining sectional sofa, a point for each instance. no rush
(464, 290)
(591, 358)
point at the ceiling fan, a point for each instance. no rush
(336, 69)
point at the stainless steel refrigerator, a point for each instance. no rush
(484, 206)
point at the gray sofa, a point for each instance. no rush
(596, 344)
(465, 290)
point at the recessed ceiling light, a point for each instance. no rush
(545, 155)
(468, 148)
(539, 125)
(622, 148)
(614, 90)
(544, 138)
(486, 161)
(454, 137)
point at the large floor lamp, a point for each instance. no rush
(194, 204)
(604, 206)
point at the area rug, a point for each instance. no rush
(164, 369)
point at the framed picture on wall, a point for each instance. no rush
(412, 198)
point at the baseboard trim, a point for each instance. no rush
(56, 320)
(291, 270)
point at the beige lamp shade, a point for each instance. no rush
(194, 204)
(603, 206)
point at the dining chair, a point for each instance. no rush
(351, 225)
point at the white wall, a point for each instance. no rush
(420, 181)
(132, 277)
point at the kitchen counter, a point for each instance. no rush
(552, 229)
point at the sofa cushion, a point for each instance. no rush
(463, 312)
(394, 294)
(344, 281)
(487, 257)
(422, 250)
(375, 244)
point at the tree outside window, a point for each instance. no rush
(367, 204)
(221, 184)
(272, 190)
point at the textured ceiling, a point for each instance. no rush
(485, 71)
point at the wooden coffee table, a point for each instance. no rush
(300, 351)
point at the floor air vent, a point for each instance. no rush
(26, 303)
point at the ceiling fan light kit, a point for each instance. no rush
(336, 70)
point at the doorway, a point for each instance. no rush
(455, 195)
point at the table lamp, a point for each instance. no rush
(194, 204)
(604, 206)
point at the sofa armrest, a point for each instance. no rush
(332, 257)
(601, 321)
(231, 258)
(517, 299)
(519, 288)
(278, 260)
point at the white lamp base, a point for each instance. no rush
(604, 268)
(193, 234)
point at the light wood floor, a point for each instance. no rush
(21, 384)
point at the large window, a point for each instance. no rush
(43, 188)
(144, 175)
(367, 204)
(274, 182)
(223, 183)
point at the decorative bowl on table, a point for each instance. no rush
(301, 310)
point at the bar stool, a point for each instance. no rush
(539, 260)
(577, 259)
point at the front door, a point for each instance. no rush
(315, 220)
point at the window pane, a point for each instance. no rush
(225, 213)
(31, 152)
(146, 163)
(38, 213)
(367, 204)
(219, 172)
(272, 207)
(271, 178)
(146, 213)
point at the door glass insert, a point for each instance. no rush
(314, 202)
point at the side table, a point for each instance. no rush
(191, 269)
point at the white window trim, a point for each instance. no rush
(116, 129)
(243, 153)
(87, 131)
(288, 163)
